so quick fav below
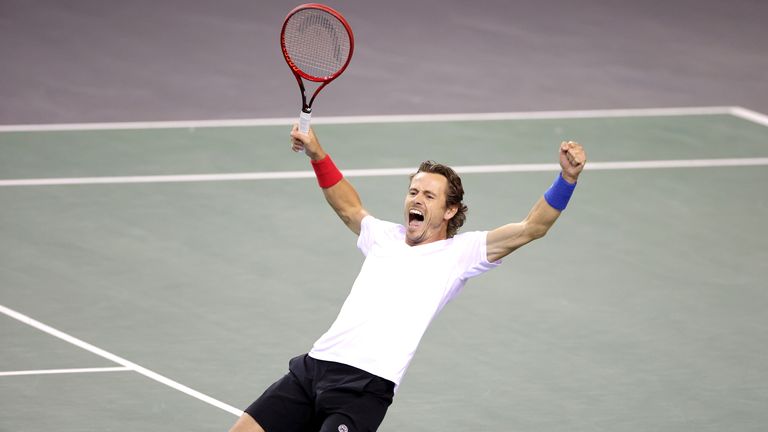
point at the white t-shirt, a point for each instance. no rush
(398, 292)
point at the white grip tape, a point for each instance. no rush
(304, 118)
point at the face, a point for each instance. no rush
(426, 214)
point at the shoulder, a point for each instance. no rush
(474, 244)
(472, 248)
(371, 223)
(373, 230)
(470, 238)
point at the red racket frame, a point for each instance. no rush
(298, 73)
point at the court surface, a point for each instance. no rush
(158, 277)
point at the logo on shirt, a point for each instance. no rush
(343, 428)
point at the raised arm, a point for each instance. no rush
(341, 195)
(506, 239)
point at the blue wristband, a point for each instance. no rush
(559, 193)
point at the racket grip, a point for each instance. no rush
(304, 118)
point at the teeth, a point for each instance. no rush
(415, 215)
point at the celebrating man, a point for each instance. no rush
(347, 380)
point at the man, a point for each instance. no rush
(347, 381)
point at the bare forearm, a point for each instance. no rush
(339, 192)
(506, 239)
(345, 201)
(540, 219)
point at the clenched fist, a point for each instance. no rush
(572, 160)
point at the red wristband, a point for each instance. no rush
(326, 172)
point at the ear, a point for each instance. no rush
(451, 212)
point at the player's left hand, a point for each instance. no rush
(572, 160)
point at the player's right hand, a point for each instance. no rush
(307, 143)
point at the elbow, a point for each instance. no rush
(536, 231)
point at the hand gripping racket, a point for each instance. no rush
(317, 44)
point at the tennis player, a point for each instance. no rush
(348, 379)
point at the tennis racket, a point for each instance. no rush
(317, 44)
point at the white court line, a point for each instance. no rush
(119, 360)
(65, 371)
(378, 172)
(405, 118)
(750, 115)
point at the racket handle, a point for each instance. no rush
(304, 118)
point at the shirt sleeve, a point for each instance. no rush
(374, 230)
(366, 238)
(474, 256)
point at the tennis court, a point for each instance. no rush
(159, 276)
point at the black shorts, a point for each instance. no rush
(317, 395)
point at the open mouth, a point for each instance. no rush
(415, 217)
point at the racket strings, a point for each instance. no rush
(317, 43)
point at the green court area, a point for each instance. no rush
(643, 308)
